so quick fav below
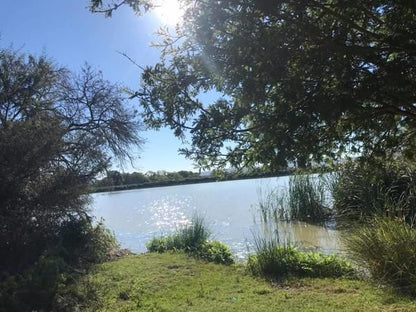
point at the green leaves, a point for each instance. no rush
(302, 81)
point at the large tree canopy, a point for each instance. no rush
(57, 131)
(297, 80)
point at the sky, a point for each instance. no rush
(71, 35)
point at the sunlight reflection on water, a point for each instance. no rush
(229, 209)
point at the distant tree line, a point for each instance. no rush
(116, 181)
(116, 178)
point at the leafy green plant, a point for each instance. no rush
(279, 261)
(216, 252)
(79, 245)
(193, 240)
(387, 248)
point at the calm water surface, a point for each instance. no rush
(229, 209)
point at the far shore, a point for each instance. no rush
(198, 180)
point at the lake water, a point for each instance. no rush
(229, 208)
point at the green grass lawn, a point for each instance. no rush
(174, 282)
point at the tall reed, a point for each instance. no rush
(367, 188)
(306, 199)
(277, 256)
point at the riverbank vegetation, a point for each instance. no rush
(386, 247)
(370, 201)
(288, 94)
(305, 199)
(193, 239)
(374, 201)
(58, 130)
(279, 262)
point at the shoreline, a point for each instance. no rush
(116, 188)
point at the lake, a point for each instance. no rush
(229, 208)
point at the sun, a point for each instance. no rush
(169, 12)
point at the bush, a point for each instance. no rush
(216, 252)
(193, 240)
(80, 244)
(387, 248)
(277, 261)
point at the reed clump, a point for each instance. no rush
(375, 187)
(306, 199)
(387, 248)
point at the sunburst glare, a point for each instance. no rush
(168, 11)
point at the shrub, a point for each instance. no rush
(277, 261)
(79, 245)
(387, 248)
(82, 243)
(216, 252)
(193, 240)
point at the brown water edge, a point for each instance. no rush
(310, 237)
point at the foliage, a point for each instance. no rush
(58, 130)
(288, 81)
(193, 240)
(107, 7)
(387, 248)
(367, 187)
(80, 245)
(279, 261)
(174, 282)
(115, 178)
(216, 252)
(277, 257)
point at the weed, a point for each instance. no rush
(387, 248)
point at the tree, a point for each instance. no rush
(58, 130)
(298, 81)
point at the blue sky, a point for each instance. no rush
(69, 34)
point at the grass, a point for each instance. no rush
(376, 187)
(189, 238)
(277, 257)
(387, 248)
(306, 200)
(175, 282)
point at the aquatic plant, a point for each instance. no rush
(376, 187)
(283, 261)
(306, 199)
(278, 257)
